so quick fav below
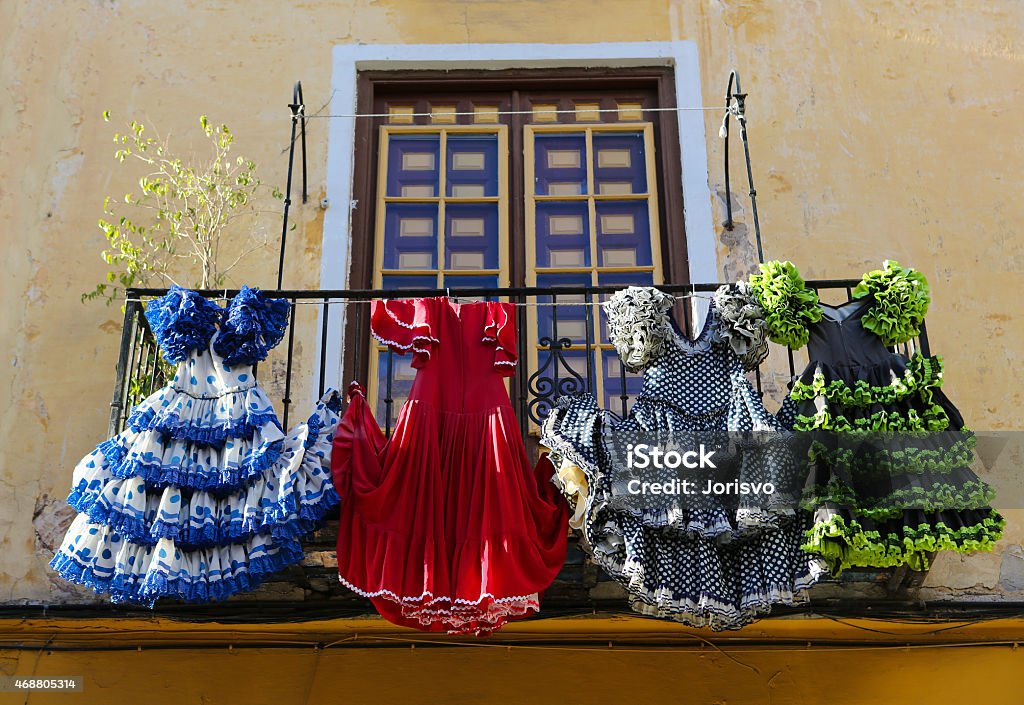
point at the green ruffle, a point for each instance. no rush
(788, 304)
(901, 461)
(910, 423)
(844, 545)
(901, 297)
(937, 498)
(922, 374)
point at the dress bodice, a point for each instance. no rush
(692, 376)
(205, 375)
(462, 352)
(698, 377)
(840, 339)
(886, 308)
(207, 341)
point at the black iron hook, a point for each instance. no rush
(298, 108)
(736, 106)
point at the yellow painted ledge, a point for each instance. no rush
(801, 660)
(597, 630)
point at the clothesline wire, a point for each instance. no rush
(524, 304)
(552, 111)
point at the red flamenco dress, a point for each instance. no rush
(446, 527)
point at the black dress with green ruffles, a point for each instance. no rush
(889, 477)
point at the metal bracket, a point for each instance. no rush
(298, 108)
(736, 107)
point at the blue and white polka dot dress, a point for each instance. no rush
(705, 557)
(203, 495)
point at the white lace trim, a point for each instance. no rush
(461, 616)
(435, 598)
(410, 346)
(498, 327)
(400, 322)
(707, 612)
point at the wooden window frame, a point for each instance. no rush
(591, 198)
(442, 198)
(372, 84)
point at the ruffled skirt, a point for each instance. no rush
(708, 560)
(890, 480)
(445, 527)
(161, 515)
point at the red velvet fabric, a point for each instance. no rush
(445, 526)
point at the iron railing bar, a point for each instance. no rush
(138, 336)
(555, 343)
(591, 338)
(323, 350)
(287, 400)
(155, 367)
(521, 377)
(922, 339)
(142, 367)
(358, 355)
(117, 403)
(623, 395)
(531, 291)
(388, 399)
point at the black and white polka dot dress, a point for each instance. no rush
(711, 546)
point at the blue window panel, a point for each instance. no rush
(461, 281)
(402, 375)
(572, 319)
(613, 382)
(410, 236)
(620, 165)
(409, 281)
(472, 166)
(413, 165)
(560, 164)
(471, 236)
(622, 280)
(623, 234)
(563, 235)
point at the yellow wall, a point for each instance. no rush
(596, 660)
(879, 129)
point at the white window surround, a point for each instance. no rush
(349, 59)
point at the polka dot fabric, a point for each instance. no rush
(203, 494)
(708, 560)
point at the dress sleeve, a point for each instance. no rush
(638, 325)
(744, 328)
(901, 299)
(789, 306)
(357, 443)
(500, 331)
(253, 325)
(182, 321)
(404, 325)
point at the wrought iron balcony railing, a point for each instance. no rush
(561, 345)
(562, 350)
